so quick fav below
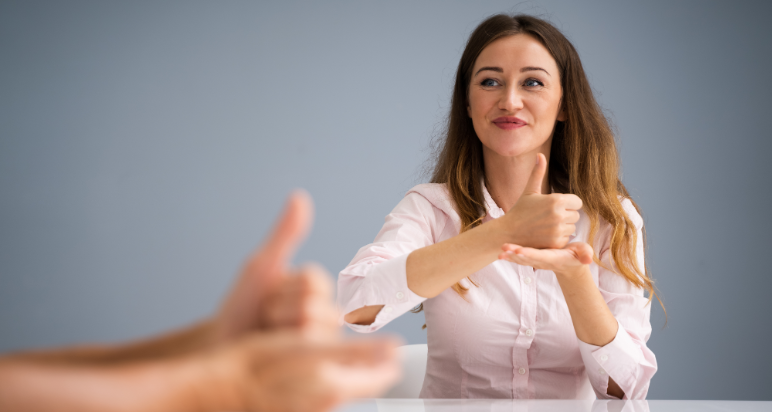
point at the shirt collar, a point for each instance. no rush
(493, 209)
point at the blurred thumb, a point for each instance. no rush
(288, 233)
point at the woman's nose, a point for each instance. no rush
(510, 100)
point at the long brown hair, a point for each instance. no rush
(583, 157)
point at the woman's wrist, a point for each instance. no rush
(501, 232)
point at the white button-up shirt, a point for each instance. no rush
(511, 336)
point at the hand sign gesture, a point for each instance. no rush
(561, 261)
(542, 220)
(271, 295)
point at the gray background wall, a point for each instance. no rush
(145, 149)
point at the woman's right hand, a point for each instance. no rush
(541, 221)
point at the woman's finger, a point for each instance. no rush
(571, 216)
(582, 251)
(534, 254)
(571, 202)
(515, 258)
(536, 257)
(510, 247)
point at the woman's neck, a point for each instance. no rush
(506, 177)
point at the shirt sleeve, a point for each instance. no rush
(626, 359)
(377, 274)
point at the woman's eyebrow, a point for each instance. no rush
(500, 70)
(491, 68)
(531, 68)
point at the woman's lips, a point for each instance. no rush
(509, 122)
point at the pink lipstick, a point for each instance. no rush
(509, 122)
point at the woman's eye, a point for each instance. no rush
(489, 83)
(532, 83)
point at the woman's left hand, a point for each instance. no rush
(568, 260)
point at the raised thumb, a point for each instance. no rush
(537, 175)
(291, 228)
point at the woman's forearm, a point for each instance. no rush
(434, 268)
(593, 321)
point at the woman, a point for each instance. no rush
(526, 251)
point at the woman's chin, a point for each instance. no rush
(507, 146)
(512, 151)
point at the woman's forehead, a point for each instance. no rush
(512, 53)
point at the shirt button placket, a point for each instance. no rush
(525, 338)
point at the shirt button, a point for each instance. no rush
(527, 281)
(400, 295)
(603, 358)
(521, 371)
(601, 371)
(387, 309)
(529, 332)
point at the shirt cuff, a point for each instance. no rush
(618, 359)
(387, 285)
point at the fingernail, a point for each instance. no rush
(509, 252)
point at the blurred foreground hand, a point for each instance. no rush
(274, 345)
(270, 295)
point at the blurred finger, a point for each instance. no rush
(302, 299)
(363, 382)
(318, 310)
(315, 281)
(363, 351)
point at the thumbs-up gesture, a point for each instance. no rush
(271, 295)
(542, 221)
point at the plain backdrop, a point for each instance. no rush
(146, 147)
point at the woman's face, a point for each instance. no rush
(514, 96)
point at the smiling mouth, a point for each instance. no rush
(509, 122)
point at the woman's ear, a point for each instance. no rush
(469, 111)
